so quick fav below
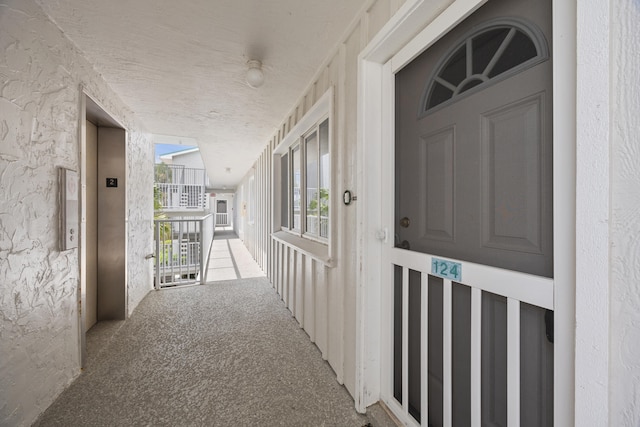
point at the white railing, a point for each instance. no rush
(178, 174)
(466, 341)
(181, 188)
(182, 250)
(222, 219)
(178, 196)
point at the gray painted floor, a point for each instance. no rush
(223, 354)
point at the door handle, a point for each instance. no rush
(405, 222)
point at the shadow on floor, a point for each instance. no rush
(229, 259)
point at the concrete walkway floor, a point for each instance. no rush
(230, 259)
(227, 353)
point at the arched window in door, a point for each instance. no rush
(488, 54)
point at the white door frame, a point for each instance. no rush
(107, 118)
(398, 40)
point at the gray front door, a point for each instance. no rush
(473, 168)
(474, 142)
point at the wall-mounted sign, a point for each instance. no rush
(446, 269)
(112, 182)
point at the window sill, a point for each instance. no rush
(315, 250)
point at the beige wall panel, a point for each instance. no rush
(300, 287)
(285, 275)
(395, 5)
(273, 271)
(377, 16)
(321, 308)
(310, 98)
(349, 243)
(281, 269)
(309, 297)
(322, 84)
(291, 288)
(335, 324)
(340, 232)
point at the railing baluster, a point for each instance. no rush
(424, 348)
(405, 339)
(157, 233)
(447, 327)
(513, 362)
(182, 256)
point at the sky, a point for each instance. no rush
(162, 149)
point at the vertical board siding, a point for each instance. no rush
(309, 298)
(291, 298)
(321, 298)
(321, 307)
(284, 266)
(299, 287)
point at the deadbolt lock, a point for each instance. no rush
(404, 222)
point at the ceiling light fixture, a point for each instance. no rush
(255, 77)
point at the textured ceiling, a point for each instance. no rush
(180, 66)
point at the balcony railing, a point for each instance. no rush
(181, 188)
(182, 250)
(222, 219)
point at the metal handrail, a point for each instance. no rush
(182, 252)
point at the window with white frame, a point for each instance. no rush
(304, 178)
(303, 185)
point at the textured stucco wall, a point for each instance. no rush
(40, 76)
(139, 216)
(625, 226)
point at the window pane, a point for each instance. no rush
(284, 191)
(520, 50)
(456, 69)
(438, 95)
(311, 165)
(470, 84)
(485, 47)
(296, 187)
(325, 169)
